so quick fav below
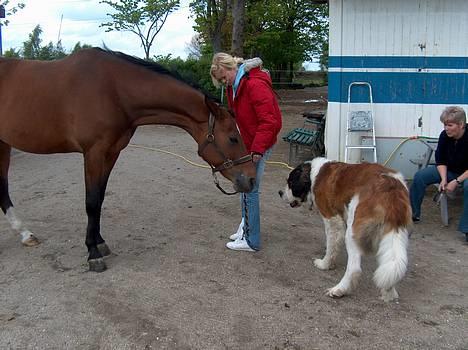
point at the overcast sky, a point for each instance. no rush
(81, 20)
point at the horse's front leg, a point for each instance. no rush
(27, 238)
(98, 166)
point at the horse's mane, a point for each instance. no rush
(157, 68)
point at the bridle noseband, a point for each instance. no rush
(228, 163)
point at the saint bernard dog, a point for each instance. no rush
(367, 206)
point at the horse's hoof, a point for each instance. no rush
(97, 265)
(104, 249)
(31, 241)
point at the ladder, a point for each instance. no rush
(360, 121)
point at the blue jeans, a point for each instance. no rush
(428, 176)
(252, 201)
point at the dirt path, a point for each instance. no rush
(171, 284)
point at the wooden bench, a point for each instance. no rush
(310, 136)
(300, 137)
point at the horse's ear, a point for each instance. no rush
(212, 106)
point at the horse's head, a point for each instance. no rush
(222, 147)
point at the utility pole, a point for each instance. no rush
(2, 15)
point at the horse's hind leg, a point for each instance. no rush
(27, 238)
(98, 166)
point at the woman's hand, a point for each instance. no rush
(442, 185)
(451, 186)
(256, 157)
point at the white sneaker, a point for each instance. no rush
(239, 244)
(239, 232)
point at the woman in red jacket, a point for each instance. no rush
(251, 97)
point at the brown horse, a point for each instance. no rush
(92, 102)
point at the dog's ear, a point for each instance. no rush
(301, 187)
(299, 181)
(306, 180)
(305, 175)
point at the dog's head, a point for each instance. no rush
(298, 185)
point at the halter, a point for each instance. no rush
(228, 163)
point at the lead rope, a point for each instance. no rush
(245, 231)
(216, 181)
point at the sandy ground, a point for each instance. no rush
(171, 284)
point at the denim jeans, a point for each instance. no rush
(252, 201)
(428, 176)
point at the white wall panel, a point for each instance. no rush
(392, 121)
(398, 29)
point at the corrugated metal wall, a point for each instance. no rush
(413, 52)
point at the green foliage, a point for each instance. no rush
(12, 53)
(9, 10)
(79, 46)
(212, 22)
(192, 70)
(311, 79)
(32, 48)
(284, 33)
(323, 61)
(144, 18)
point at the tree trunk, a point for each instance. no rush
(238, 15)
(216, 16)
(291, 72)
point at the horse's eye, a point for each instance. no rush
(233, 139)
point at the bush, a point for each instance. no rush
(194, 71)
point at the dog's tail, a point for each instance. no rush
(392, 259)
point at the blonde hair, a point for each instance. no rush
(453, 114)
(222, 60)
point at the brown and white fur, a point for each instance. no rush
(367, 206)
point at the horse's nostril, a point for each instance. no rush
(280, 193)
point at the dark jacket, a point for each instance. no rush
(453, 153)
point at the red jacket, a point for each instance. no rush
(256, 110)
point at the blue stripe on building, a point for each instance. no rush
(398, 62)
(395, 87)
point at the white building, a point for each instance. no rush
(414, 53)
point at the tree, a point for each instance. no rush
(5, 12)
(32, 47)
(238, 14)
(211, 21)
(9, 10)
(12, 53)
(33, 50)
(79, 46)
(286, 33)
(194, 48)
(144, 18)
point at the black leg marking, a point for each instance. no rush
(97, 171)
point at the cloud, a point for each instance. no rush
(81, 23)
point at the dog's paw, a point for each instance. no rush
(336, 292)
(323, 264)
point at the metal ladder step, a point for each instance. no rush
(362, 147)
(360, 122)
